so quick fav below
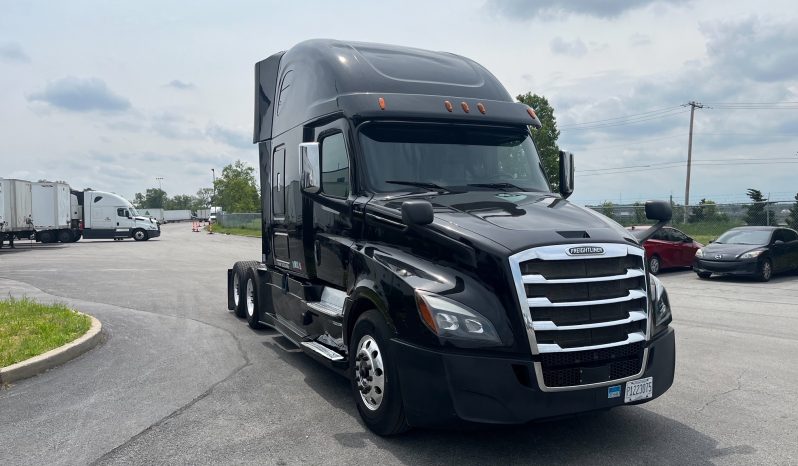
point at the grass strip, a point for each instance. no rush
(255, 233)
(29, 328)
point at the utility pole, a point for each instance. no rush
(213, 196)
(160, 178)
(693, 104)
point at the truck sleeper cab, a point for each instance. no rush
(411, 242)
(110, 216)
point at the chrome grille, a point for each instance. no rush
(583, 305)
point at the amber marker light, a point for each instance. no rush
(382, 103)
(481, 108)
(426, 314)
(448, 105)
(465, 107)
(531, 113)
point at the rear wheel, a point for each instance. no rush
(252, 302)
(140, 235)
(374, 377)
(765, 270)
(65, 236)
(654, 264)
(704, 275)
(46, 237)
(240, 272)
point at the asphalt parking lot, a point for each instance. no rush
(181, 380)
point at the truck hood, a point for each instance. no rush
(515, 220)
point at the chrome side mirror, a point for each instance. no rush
(309, 166)
(566, 174)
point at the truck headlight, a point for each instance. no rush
(751, 254)
(699, 253)
(455, 322)
(661, 306)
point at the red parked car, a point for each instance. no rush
(668, 248)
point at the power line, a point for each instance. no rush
(682, 162)
(624, 117)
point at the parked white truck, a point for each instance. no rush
(109, 215)
(15, 209)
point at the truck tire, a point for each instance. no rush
(374, 377)
(65, 236)
(76, 237)
(46, 236)
(252, 300)
(654, 264)
(240, 270)
(140, 235)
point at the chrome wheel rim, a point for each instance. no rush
(370, 373)
(766, 270)
(139, 235)
(250, 298)
(236, 294)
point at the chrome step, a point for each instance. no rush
(322, 350)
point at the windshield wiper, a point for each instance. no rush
(497, 186)
(421, 184)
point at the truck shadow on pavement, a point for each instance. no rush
(625, 434)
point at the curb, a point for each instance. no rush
(55, 357)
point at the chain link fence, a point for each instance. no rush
(247, 221)
(707, 221)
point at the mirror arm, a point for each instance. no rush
(649, 232)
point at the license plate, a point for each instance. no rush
(639, 389)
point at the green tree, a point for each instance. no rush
(608, 209)
(756, 214)
(236, 189)
(204, 198)
(792, 218)
(179, 202)
(640, 213)
(705, 211)
(545, 138)
(151, 199)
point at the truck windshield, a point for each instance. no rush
(406, 157)
(133, 211)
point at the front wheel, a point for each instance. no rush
(654, 264)
(374, 377)
(765, 270)
(140, 235)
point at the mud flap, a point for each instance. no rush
(231, 305)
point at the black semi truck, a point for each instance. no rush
(412, 242)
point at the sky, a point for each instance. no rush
(112, 95)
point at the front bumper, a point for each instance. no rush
(154, 233)
(739, 267)
(442, 388)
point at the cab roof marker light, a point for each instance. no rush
(381, 101)
(481, 108)
(531, 113)
(465, 107)
(448, 106)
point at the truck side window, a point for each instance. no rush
(334, 166)
(120, 212)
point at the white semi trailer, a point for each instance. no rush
(53, 212)
(15, 209)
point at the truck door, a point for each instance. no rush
(279, 230)
(332, 209)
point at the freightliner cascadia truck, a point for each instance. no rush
(412, 242)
